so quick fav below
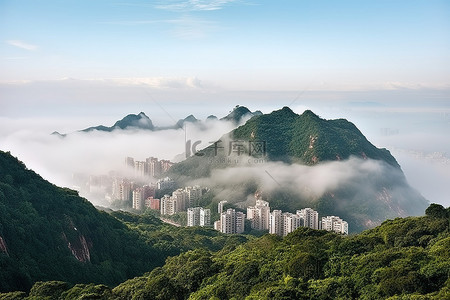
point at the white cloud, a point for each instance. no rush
(95, 153)
(22, 45)
(195, 5)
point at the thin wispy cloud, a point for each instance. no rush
(185, 27)
(195, 5)
(22, 45)
(189, 28)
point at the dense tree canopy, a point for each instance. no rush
(401, 259)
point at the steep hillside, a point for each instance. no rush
(357, 181)
(305, 139)
(308, 139)
(50, 233)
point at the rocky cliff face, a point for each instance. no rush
(79, 248)
(3, 247)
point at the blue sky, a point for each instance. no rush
(245, 45)
(71, 64)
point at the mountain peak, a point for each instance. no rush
(309, 113)
(238, 113)
(286, 111)
(139, 121)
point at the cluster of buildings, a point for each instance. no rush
(198, 216)
(129, 188)
(277, 222)
(150, 167)
(138, 196)
(230, 221)
(181, 200)
(283, 223)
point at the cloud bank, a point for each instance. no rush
(96, 153)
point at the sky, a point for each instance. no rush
(384, 65)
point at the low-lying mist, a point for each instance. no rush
(342, 185)
(57, 158)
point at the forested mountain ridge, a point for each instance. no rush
(401, 259)
(50, 233)
(294, 145)
(291, 138)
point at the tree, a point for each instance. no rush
(436, 211)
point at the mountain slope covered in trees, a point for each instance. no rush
(50, 233)
(359, 182)
(401, 259)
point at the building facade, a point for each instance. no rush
(259, 215)
(138, 198)
(336, 224)
(231, 222)
(290, 222)
(198, 216)
(276, 222)
(169, 205)
(310, 218)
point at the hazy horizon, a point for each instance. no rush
(69, 65)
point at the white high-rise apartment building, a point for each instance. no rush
(220, 206)
(259, 215)
(125, 190)
(153, 167)
(140, 168)
(310, 218)
(205, 217)
(169, 205)
(276, 222)
(231, 222)
(193, 216)
(181, 196)
(138, 198)
(193, 194)
(198, 216)
(336, 224)
(290, 223)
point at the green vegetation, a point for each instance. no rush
(380, 192)
(401, 259)
(56, 245)
(305, 139)
(50, 233)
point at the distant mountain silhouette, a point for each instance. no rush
(142, 122)
(131, 121)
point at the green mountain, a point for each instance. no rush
(401, 259)
(48, 233)
(308, 139)
(285, 139)
(239, 113)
